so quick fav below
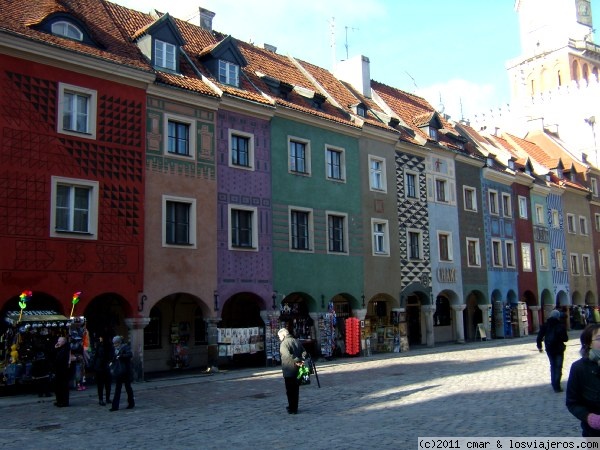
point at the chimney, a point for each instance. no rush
(206, 18)
(357, 72)
(270, 48)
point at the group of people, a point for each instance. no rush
(110, 363)
(583, 386)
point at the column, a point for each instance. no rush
(535, 318)
(428, 311)
(135, 327)
(459, 325)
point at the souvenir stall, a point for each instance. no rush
(327, 332)
(239, 341)
(380, 329)
(294, 316)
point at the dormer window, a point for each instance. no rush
(433, 133)
(67, 29)
(361, 110)
(229, 73)
(164, 55)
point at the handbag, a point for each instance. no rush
(116, 368)
(303, 376)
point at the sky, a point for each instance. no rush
(451, 52)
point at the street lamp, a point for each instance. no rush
(216, 299)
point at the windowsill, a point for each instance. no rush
(78, 233)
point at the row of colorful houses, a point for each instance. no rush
(186, 182)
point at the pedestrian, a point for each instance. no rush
(40, 374)
(583, 386)
(62, 372)
(554, 334)
(121, 373)
(103, 355)
(292, 356)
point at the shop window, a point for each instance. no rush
(442, 316)
(199, 327)
(152, 338)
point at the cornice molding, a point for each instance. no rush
(194, 99)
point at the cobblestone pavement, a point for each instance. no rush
(490, 388)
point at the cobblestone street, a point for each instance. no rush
(490, 388)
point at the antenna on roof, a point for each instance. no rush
(332, 41)
(347, 28)
(413, 80)
(462, 115)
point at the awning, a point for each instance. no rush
(43, 318)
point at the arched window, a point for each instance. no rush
(575, 74)
(559, 78)
(595, 73)
(585, 72)
(67, 29)
(152, 335)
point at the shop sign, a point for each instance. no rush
(446, 275)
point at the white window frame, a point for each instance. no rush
(594, 185)
(597, 221)
(236, 207)
(507, 205)
(92, 104)
(522, 207)
(419, 234)
(67, 30)
(229, 73)
(494, 207)
(346, 242)
(509, 247)
(417, 190)
(168, 60)
(543, 259)
(496, 248)
(539, 214)
(236, 133)
(377, 174)
(473, 193)
(571, 227)
(342, 153)
(192, 233)
(574, 264)
(558, 258)
(475, 242)
(311, 241)
(583, 228)
(443, 182)
(448, 235)
(555, 219)
(586, 265)
(191, 136)
(307, 158)
(93, 205)
(526, 257)
(380, 238)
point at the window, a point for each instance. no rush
(74, 208)
(179, 224)
(445, 246)
(300, 229)
(164, 55)
(178, 135)
(473, 255)
(241, 148)
(543, 258)
(523, 207)
(497, 253)
(594, 187)
(574, 264)
(587, 268)
(470, 197)
(440, 190)
(597, 221)
(411, 185)
(526, 256)
(380, 237)
(433, 133)
(539, 214)
(361, 110)
(507, 205)
(570, 223)
(583, 225)
(243, 232)
(377, 174)
(510, 253)
(558, 259)
(152, 331)
(229, 73)
(67, 29)
(555, 219)
(335, 164)
(414, 245)
(299, 156)
(493, 199)
(336, 233)
(77, 108)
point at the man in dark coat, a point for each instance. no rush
(122, 375)
(554, 334)
(62, 372)
(103, 355)
(292, 354)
